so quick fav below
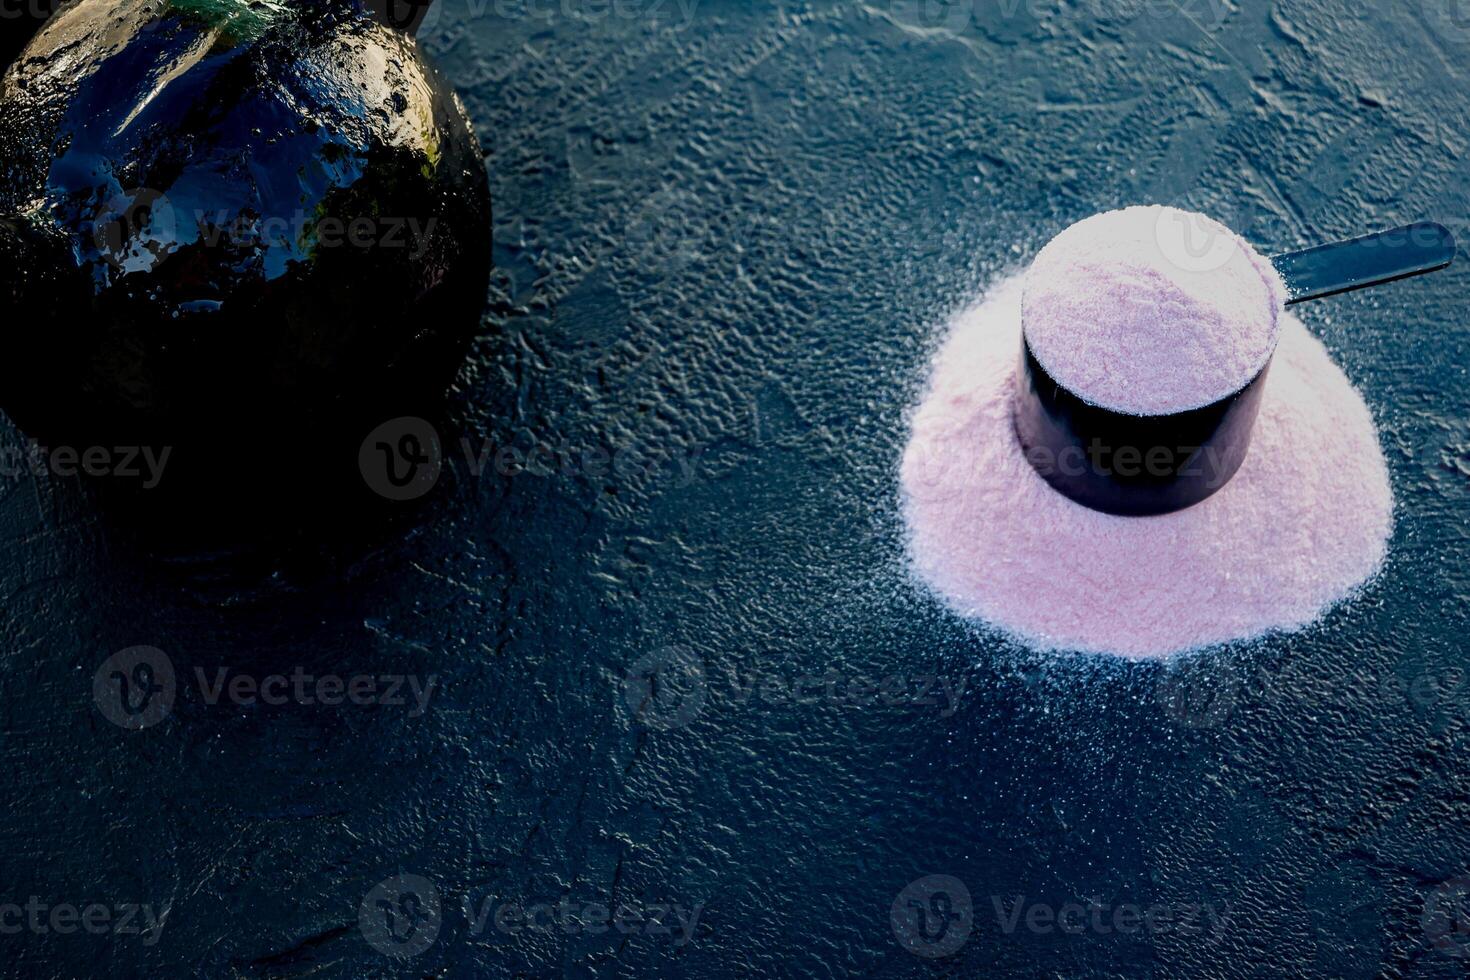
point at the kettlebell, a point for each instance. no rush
(233, 223)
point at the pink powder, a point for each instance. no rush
(1302, 525)
(1151, 310)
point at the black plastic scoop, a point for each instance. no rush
(1144, 465)
(1384, 256)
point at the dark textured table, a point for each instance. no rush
(679, 673)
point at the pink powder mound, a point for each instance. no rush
(1303, 524)
(1152, 310)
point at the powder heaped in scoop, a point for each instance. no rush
(1301, 526)
(1151, 310)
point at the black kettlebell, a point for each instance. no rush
(232, 222)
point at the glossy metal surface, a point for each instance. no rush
(224, 217)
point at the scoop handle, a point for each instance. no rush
(1384, 256)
